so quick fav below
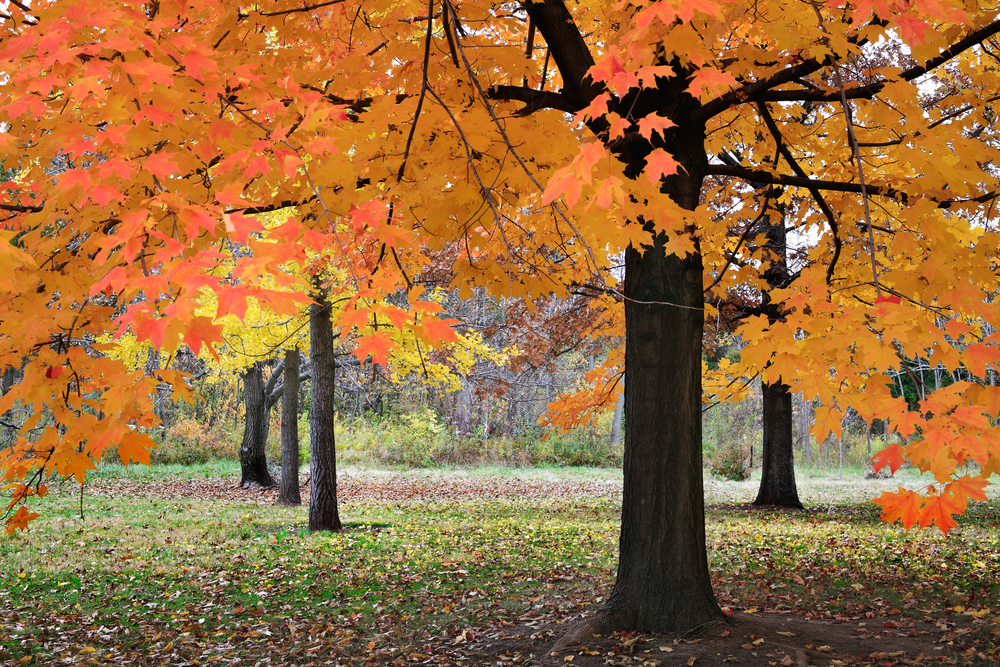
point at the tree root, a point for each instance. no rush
(583, 632)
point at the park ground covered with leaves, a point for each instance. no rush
(178, 566)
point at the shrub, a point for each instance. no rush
(189, 441)
(731, 461)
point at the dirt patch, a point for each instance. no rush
(757, 640)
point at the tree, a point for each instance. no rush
(260, 397)
(288, 492)
(397, 155)
(253, 462)
(324, 513)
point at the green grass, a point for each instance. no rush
(170, 578)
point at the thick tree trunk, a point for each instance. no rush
(663, 582)
(253, 460)
(288, 493)
(777, 479)
(323, 510)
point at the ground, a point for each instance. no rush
(178, 566)
(759, 640)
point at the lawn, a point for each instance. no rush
(175, 565)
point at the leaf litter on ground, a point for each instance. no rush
(460, 568)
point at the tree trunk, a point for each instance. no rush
(663, 582)
(777, 478)
(253, 460)
(616, 422)
(288, 493)
(323, 511)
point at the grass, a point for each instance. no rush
(169, 578)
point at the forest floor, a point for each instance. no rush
(477, 567)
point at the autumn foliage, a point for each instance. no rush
(398, 135)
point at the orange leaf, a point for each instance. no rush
(903, 505)
(377, 345)
(652, 122)
(891, 456)
(200, 331)
(939, 509)
(660, 163)
(20, 520)
(715, 80)
(135, 447)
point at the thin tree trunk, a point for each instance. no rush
(288, 493)
(777, 478)
(323, 511)
(616, 420)
(777, 475)
(253, 461)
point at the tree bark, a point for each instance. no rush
(253, 460)
(323, 510)
(777, 478)
(288, 493)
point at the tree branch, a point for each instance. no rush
(533, 99)
(18, 208)
(820, 201)
(762, 90)
(307, 8)
(761, 176)
(570, 51)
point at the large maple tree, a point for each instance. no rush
(532, 144)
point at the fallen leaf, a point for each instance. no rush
(691, 660)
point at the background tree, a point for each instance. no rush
(288, 492)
